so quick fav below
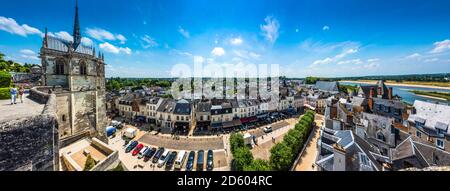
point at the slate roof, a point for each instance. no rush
(390, 103)
(204, 107)
(167, 105)
(355, 149)
(327, 86)
(62, 45)
(435, 116)
(182, 107)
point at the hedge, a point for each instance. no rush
(4, 93)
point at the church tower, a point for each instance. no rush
(77, 77)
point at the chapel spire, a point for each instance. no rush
(76, 29)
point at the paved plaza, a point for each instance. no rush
(20, 110)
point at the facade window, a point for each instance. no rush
(63, 117)
(59, 67)
(83, 69)
(440, 143)
(418, 134)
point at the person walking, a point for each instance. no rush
(21, 91)
(13, 93)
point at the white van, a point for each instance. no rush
(141, 153)
(130, 133)
(162, 160)
(180, 160)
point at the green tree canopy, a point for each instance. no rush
(281, 157)
(258, 165)
(242, 157)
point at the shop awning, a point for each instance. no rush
(233, 123)
(249, 119)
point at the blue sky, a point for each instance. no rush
(146, 38)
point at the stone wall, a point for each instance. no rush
(31, 143)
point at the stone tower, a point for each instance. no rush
(77, 77)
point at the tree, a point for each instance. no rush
(90, 163)
(236, 141)
(281, 157)
(5, 79)
(242, 157)
(294, 140)
(258, 165)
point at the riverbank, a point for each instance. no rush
(397, 84)
(435, 95)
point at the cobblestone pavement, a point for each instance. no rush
(26, 109)
(183, 143)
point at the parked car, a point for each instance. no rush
(190, 161)
(131, 146)
(150, 152)
(137, 149)
(210, 161)
(141, 153)
(200, 160)
(180, 160)
(158, 154)
(171, 159)
(163, 159)
(267, 129)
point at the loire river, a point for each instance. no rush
(409, 97)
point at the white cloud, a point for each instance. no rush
(218, 51)
(373, 60)
(236, 41)
(346, 52)
(431, 60)
(103, 35)
(323, 61)
(10, 25)
(27, 51)
(107, 47)
(184, 32)
(325, 28)
(441, 46)
(87, 41)
(354, 61)
(270, 29)
(29, 54)
(335, 58)
(415, 55)
(121, 38)
(149, 41)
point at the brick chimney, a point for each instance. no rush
(390, 93)
(370, 100)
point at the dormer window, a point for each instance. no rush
(380, 136)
